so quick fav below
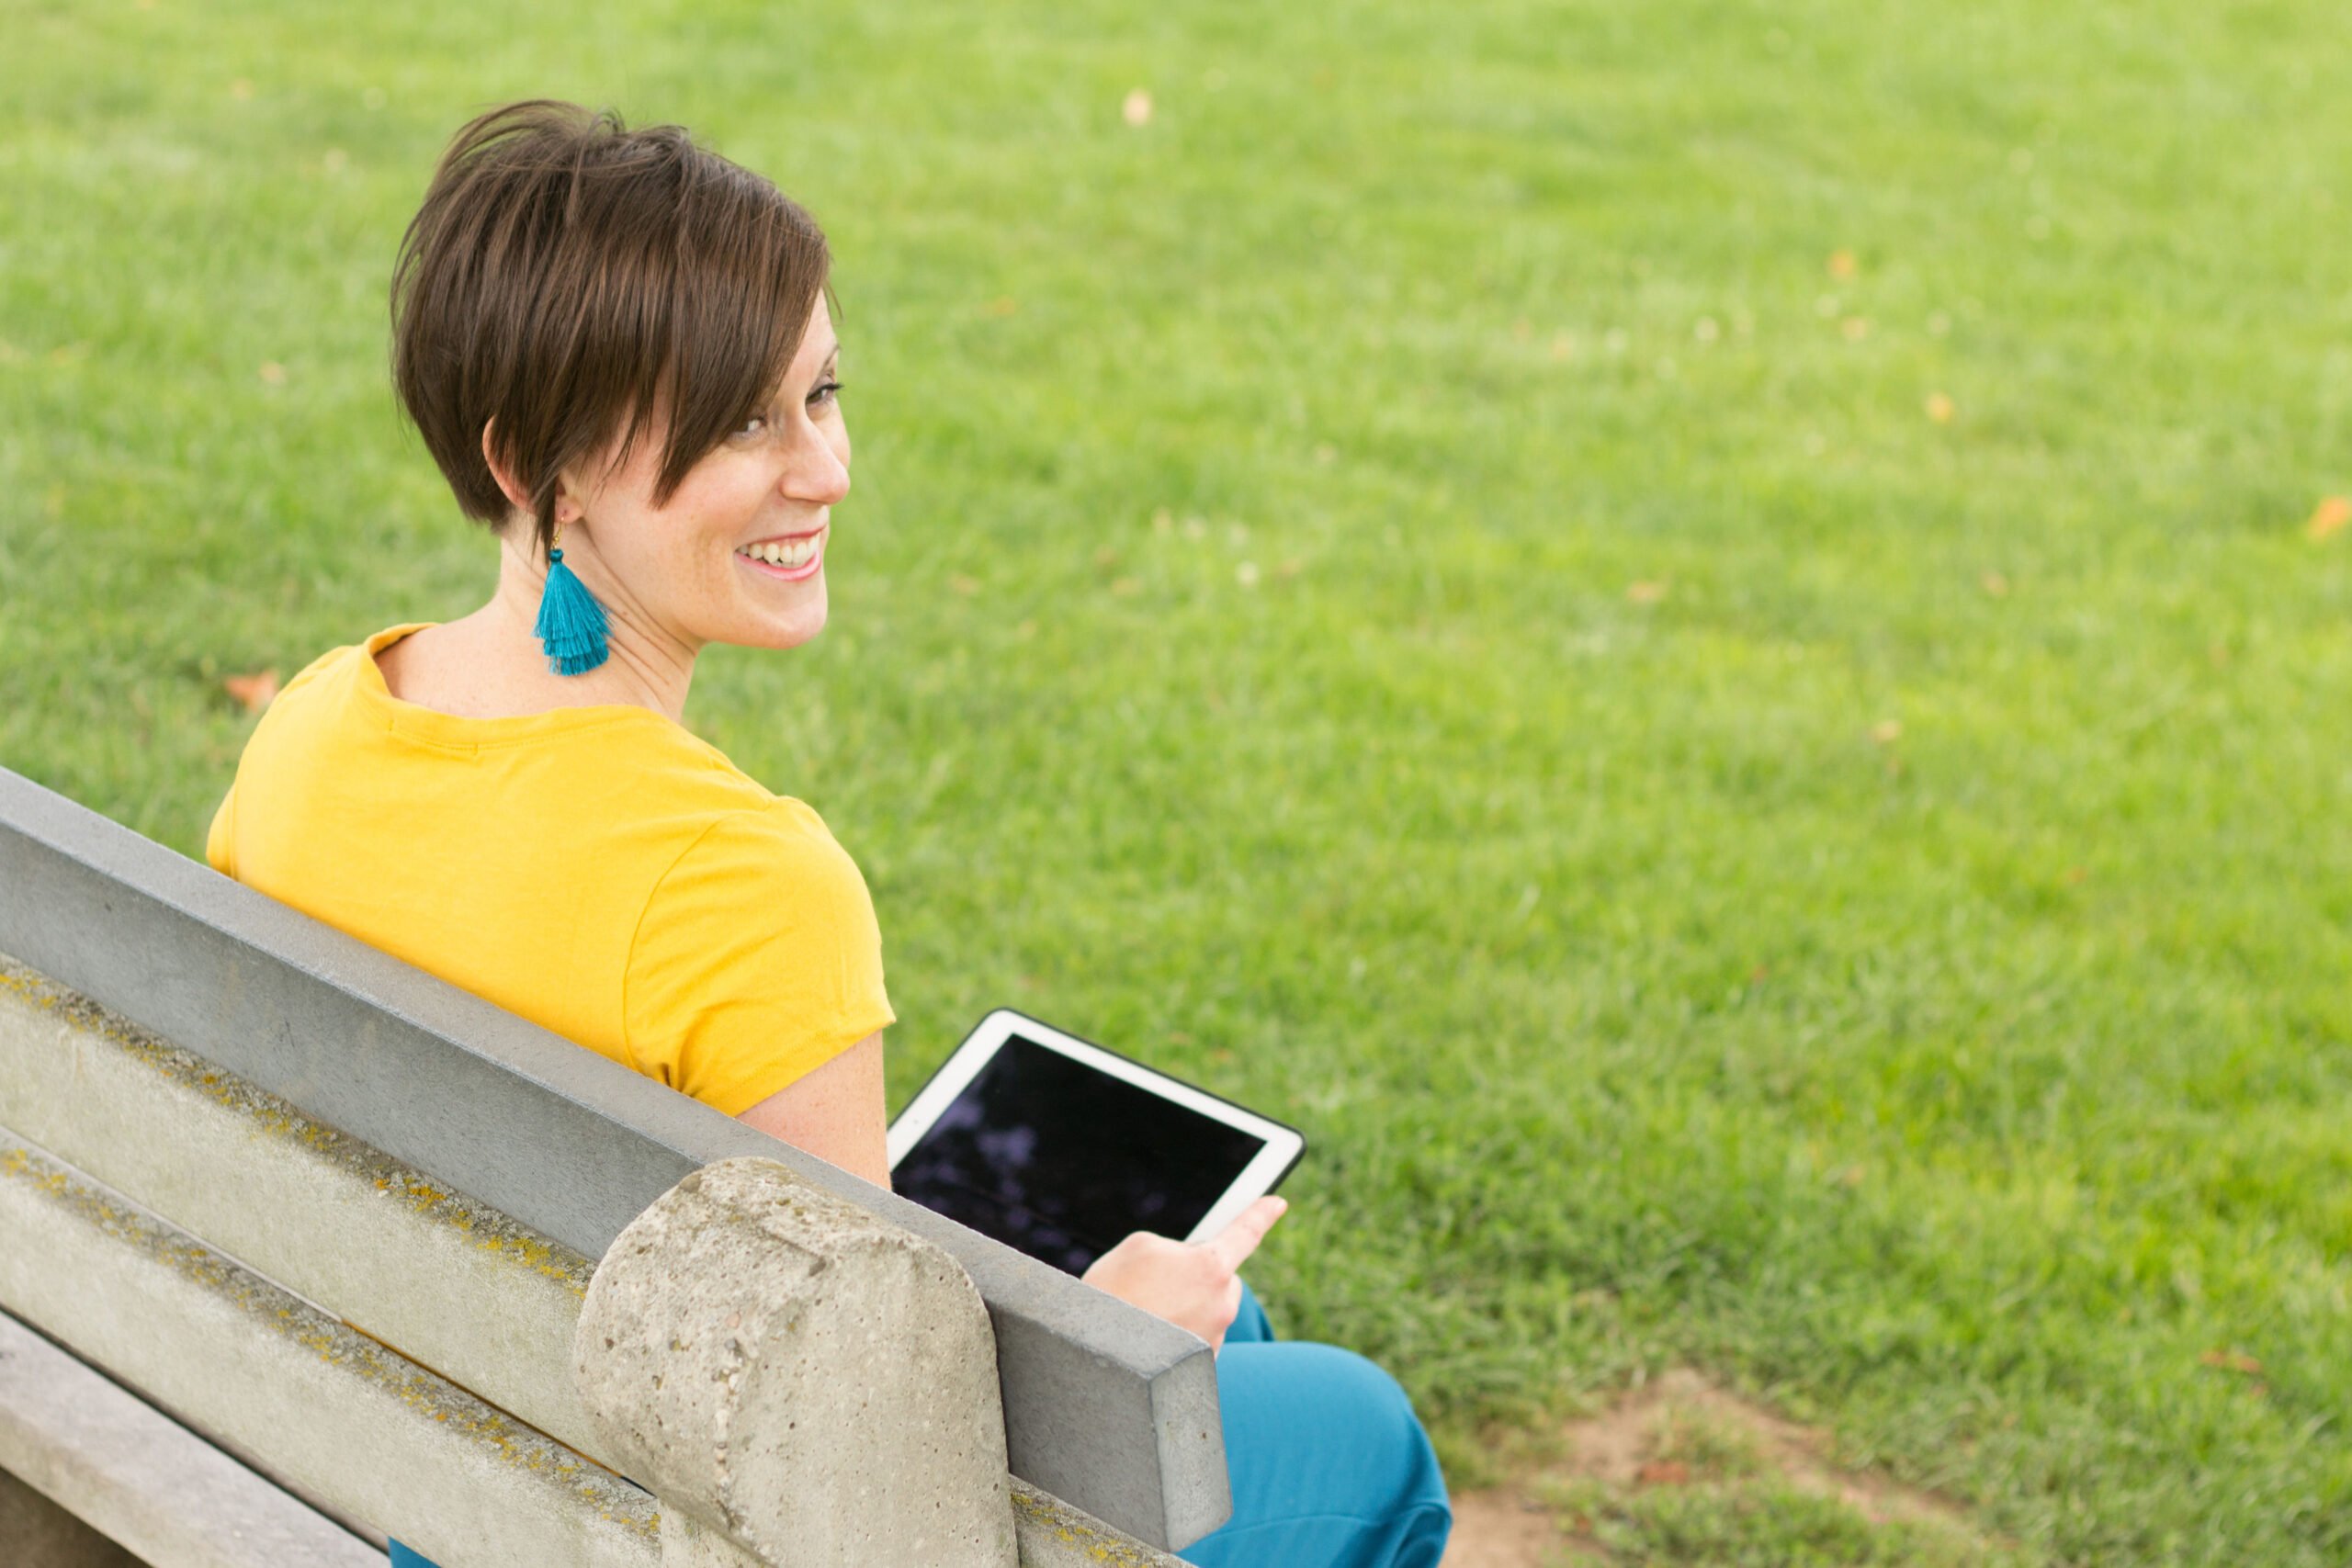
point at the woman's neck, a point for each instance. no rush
(490, 664)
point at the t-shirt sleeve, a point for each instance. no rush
(220, 838)
(757, 960)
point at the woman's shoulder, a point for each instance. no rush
(320, 692)
(759, 850)
(343, 662)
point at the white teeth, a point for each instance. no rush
(791, 555)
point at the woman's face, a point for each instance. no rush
(738, 554)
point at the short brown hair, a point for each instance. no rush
(566, 277)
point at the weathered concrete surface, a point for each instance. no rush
(126, 1467)
(687, 1544)
(1055, 1535)
(453, 1283)
(371, 1434)
(801, 1374)
(36, 1533)
(1105, 1404)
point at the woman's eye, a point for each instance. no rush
(750, 427)
(825, 394)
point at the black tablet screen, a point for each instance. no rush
(1048, 1154)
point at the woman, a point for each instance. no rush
(616, 346)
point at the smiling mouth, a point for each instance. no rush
(790, 559)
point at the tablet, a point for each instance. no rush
(1061, 1148)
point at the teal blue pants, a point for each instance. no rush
(1330, 1467)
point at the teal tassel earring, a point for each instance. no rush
(571, 624)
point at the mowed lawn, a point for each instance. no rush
(1689, 631)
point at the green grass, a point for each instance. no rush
(1644, 1000)
(1711, 1490)
(1758, 1524)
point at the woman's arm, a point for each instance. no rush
(835, 1112)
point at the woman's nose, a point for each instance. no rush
(818, 472)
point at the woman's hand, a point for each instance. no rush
(1195, 1286)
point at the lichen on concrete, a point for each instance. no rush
(511, 1442)
(484, 1226)
(1055, 1535)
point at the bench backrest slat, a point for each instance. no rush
(155, 1485)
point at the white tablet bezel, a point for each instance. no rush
(1283, 1145)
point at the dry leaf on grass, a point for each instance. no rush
(254, 691)
(1136, 110)
(1646, 593)
(1940, 407)
(2333, 515)
(1842, 264)
(2231, 1361)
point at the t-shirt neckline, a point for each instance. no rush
(460, 729)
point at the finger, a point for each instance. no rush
(1229, 1308)
(1232, 1245)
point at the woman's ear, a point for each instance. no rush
(568, 508)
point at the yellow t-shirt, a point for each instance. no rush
(597, 870)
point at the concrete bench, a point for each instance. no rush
(298, 1245)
